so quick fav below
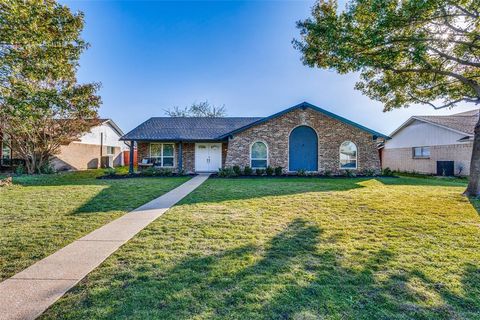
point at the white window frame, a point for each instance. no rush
(4, 146)
(422, 148)
(113, 149)
(340, 153)
(262, 159)
(161, 157)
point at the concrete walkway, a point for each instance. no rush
(30, 292)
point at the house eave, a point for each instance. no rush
(171, 140)
(413, 118)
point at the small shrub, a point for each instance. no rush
(149, 172)
(387, 172)
(278, 171)
(349, 173)
(460, 168)
(166, 172)
(301, 173)
(260, 172)
(328, 173)
(110, 172)
(247, 171)
(157, 172)
(226, 172)
(237, 170)
(369, 172)
(269, 171)
(20, 170)
(46, 168)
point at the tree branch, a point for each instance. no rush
(449, 104)
(449, 57)
(471, 83)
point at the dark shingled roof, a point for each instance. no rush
(463, 122)
(200, 128)
(187, 128)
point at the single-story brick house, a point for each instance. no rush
(303, 137)
(438, 145)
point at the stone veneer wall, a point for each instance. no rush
(142, 150)
(401, 159)
(331, 134)
(188, 151)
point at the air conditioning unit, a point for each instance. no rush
(107, 161)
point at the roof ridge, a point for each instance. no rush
(228, 117)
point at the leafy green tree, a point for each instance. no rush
(41, 104)
(407, 52)
(201, 109)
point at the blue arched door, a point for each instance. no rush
(303, 149)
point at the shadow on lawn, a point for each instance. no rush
(112, 195)
(293, 279)
(128, 194)
(423, 181)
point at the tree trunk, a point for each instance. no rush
(473, 189)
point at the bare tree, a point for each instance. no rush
(201, 109)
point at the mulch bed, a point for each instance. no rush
(139, 175)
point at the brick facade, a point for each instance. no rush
(401, 159)
(331, 134)
(275, 133)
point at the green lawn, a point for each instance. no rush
(41, 214)
(388, 248)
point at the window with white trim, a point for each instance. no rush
(421, 152)
(259, 155)
(6, 150)
(110, 150)
(162, 153)
(348, 155)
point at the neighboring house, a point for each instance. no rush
(303, 137)
(439, 145)
(100, 147)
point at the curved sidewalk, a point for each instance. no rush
(30, 292)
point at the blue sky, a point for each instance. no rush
(152, 55)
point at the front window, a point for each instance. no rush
(348, 155)
(421, 152)
(259, 155)
(6, 150)
(162, 153)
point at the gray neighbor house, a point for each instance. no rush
(302, 137)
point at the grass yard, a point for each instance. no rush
(406, 248)
(41, 214)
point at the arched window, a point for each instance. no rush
(348, 155)
(258, 155)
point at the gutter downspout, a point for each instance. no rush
(132, 150)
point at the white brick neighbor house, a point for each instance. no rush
(102, 141)
(438, 145)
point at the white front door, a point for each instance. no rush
(208, 157)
